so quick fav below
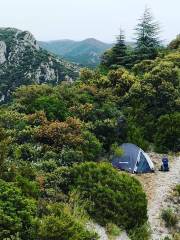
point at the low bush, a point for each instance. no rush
(177, 189)
(17, 213)
(112, 230)
(169, 217)
(60, 224)
(140, 233)
(28, 188)
(176, 236)
(113, 197)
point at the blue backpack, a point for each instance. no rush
(165, 165)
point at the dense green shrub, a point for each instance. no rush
(121, 79)
(59, 180)
(60, 224)
(16, 212)
(168, 132)
(113, 197)
(26, 152)
(135, 135)
(48, 165)
(70, 156)
(53, 107)
(28, 188)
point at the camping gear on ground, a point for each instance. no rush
(165, 164)
(133, 160)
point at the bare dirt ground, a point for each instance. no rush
(158, 187)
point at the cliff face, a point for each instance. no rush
(22, 61)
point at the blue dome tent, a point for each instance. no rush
(133, 160)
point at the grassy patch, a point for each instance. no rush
(177, 189)
(112, 230)
(140, 233)
(169, 217)
(176, 236)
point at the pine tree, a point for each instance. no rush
(119, 51)
(147, 40)
(117, 55)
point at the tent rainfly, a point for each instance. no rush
(133, 160)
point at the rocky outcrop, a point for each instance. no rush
(2, 52)
(22, 61)
(29, 39)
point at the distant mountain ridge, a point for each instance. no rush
(86, 52)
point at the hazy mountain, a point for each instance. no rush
(22, 61)
(86, 52)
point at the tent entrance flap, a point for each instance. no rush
(143, 165)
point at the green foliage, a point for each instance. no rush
(116, 150)
(25, 152)
(53, 106)
(121, 79)
(175, 44)
(48, 165)
(117, 56)
(168, 132)
(143, 67)
(59, 224)
(140, 233)
(28, 188)
(113, 230)
(84, 53)
(167, 238)
(58, 180)
(147, 42)
(170, 218)
(176, 236)
(16, 212)
(3, 147)
(71, 156)
(136, 135)
(86, 74)
(53, 140)
(155, 95)
(177, 189)
(26, 64)
(115, 198)
(70, 134)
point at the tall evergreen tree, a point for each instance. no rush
(117, 55)
(147, 40)
(119, 51)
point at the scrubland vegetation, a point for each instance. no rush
(56, 142)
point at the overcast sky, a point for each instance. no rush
(80, 19)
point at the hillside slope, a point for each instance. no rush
(22, 61)
(86, 52)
